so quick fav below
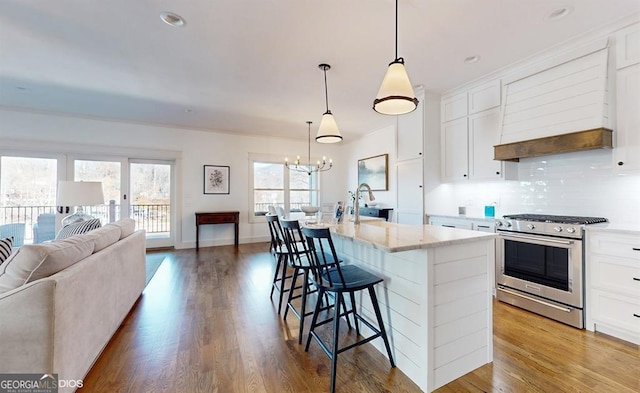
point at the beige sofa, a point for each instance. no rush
(60, 321)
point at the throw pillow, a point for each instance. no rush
(78, 228)
(5, 248)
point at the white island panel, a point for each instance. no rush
(435, 299)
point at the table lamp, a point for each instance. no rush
(79, 194)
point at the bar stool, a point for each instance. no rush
(339, 280)
(299, 261)
(281, 254)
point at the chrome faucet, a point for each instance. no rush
(357, 198)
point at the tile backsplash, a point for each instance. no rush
(580, 183)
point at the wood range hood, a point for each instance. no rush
(597, 138)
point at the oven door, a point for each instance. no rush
(543, 266)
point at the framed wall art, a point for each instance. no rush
(375, 172)
(216, 179)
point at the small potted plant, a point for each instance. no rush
(352, 197)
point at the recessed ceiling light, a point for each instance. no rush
(558, 13)
(172, 19)
(471, 59)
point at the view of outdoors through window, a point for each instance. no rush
(274, 185)
(151, 197)
(28, 196)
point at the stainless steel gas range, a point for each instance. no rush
(540, 264)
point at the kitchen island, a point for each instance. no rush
(436, 296)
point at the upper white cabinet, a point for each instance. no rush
(410, 133)
(455, 156)
(626, 153)
(453, 107)
(467, 142)
(484, 97)
(628, 46)
(484, 129)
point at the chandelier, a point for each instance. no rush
(320, 166)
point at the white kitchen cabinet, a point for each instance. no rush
(410, 209)
(474, 224)
(409, 137)
(467, 149)
(626, 153)
(455, 156)
(484, 133)
(454, 107)
(484, 97)
(613, 283)
(628, 46)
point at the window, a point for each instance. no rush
(27, 198)
(274, 185)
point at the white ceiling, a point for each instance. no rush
(251, 66)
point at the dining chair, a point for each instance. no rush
(281, 254)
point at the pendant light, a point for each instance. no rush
(328, 131)
(309, 169)
(396, 96)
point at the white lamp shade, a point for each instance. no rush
(396, 96)
(80, 193)
(328, 131)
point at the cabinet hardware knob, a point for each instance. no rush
(420, 186)
(465, 175)
(620, 163)
(420, 153)
(497, 173)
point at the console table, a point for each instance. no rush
(208, 218)
(383, 212)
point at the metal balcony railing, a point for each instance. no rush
(155, 219)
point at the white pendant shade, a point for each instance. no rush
(396, 96)
(328, 131)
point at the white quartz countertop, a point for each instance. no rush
(633, 229)
(392, 237)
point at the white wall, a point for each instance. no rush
(382, 141)
(40, 132)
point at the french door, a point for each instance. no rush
(139, 189)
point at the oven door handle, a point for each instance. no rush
(565, 309)
(565, 242)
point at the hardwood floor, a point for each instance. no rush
(205, 323)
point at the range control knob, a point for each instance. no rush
(507, 224)
(558, 229)
(531, 226)
(498, 223)
(571, 230)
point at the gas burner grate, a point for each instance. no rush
(576, 220)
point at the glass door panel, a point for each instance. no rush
(28, 198)
(150, 202)
(110, 174)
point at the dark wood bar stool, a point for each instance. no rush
(340, 279)
(281, 254)
(299, 261)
